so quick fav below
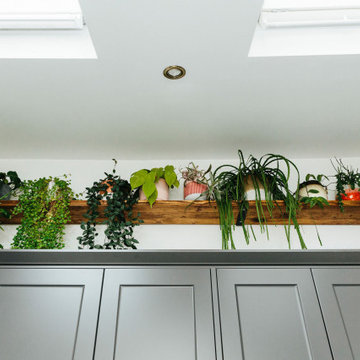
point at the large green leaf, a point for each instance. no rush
(152, 198)
(138, 178)
(149, 184)
(170, 177)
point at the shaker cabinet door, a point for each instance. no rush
(156, 314)
(270, 314)
(48, 314)
(339, 295)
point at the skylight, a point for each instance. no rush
(307, 27)
(44, 29)
(292, 13)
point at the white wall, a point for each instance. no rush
(84, 172)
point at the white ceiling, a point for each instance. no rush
(121, 106)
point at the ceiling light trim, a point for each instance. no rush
(168, 72)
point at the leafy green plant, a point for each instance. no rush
(318, 178)
(148, 178)
(119, 218)
(314, 200)
(44, 204)
(345, 175)
(229, 184)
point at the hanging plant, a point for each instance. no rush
(347, 183)
(119, 217)
(231, 183)
(44, 204)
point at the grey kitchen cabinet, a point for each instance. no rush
(270, 314)
(48, 314)
(339, 295)
(156, 314)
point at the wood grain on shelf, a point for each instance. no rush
(205, 213)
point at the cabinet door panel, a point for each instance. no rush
(156, 314)
(339, 294)
(270, 314)
(48, 313)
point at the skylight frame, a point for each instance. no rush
(294, 13)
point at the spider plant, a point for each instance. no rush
(229, 183)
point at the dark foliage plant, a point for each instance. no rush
(119, 217)
(229, 184)
(44, 204)
(11, 179)
(345, 175)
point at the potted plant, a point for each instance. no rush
(119, 217)
(195, 182)
(44, 204)
(231, 183)
(347, 183)
(9, 182)
(313, 187)
(3, 214)
(154, 184)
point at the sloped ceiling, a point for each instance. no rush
(120, 105)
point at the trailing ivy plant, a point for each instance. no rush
(119, 217)
(229, 184)
(345, 175)
(44, 204)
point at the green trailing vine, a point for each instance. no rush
(44, 204)
(119, 217)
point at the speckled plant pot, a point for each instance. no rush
(5, 192)
(305, 187)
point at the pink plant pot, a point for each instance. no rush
(192, 191)
(351, 194)
(162, 189)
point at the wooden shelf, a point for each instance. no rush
(205, 213)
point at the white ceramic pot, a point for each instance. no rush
(305, 187)
(250, 190)
(162, 189)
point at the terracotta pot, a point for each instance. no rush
(162, 188)
(351, 194)
(109, 188)
(193, 190)
(306, 186)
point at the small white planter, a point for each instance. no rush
(305, 187)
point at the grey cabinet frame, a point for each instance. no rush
(323, 277)
(196, 278)
(88, 282)
(300, 284)
(341, 310)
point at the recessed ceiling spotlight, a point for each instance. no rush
(174, 72)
